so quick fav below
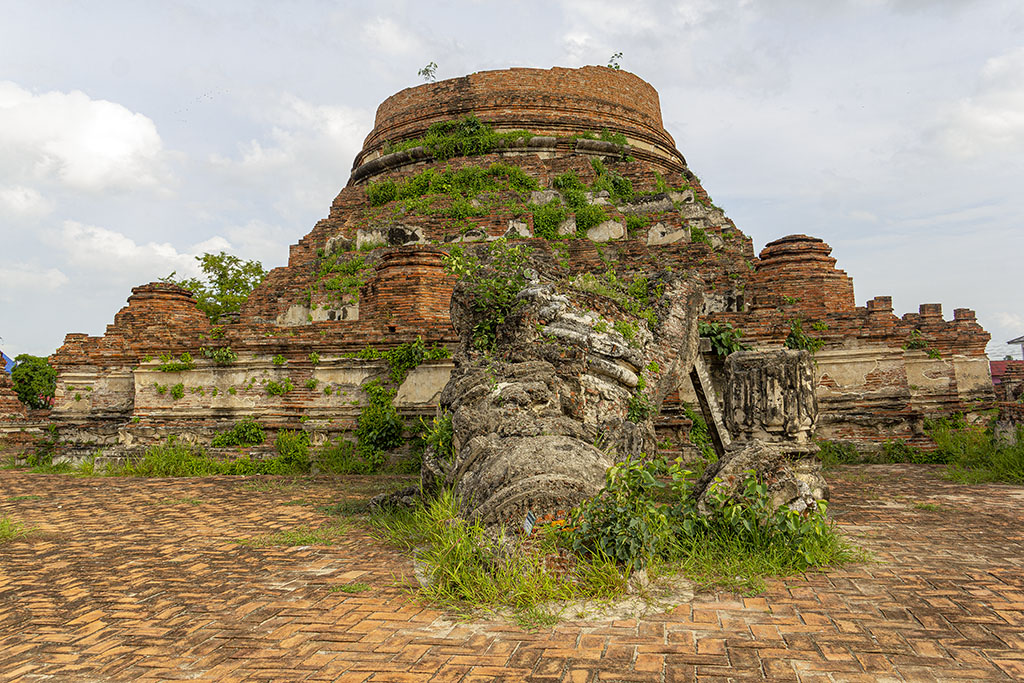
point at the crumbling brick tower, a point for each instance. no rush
(594, 180)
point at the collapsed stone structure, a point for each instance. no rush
(371, 274)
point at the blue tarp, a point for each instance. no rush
(7, 361)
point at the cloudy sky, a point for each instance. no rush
(136, 135)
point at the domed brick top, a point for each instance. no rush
(549, 102)
(799, 269)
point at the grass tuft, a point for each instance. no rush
(303, 535)
(11, 530)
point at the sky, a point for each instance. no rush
(135, 136)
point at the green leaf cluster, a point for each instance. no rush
(468, 136)
(636, 296)
(493, 282)
(169, 363)
(460, 184)
(439, 435)
(226, 284)
(379, 428)
(222, 355)
(246, 432)
(35, 382)
(645, 512)
(725, 339)
(279, 388)
(798, 339)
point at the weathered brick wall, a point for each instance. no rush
(869, 387)
(1011, 384)
(10, 406)
(544, 101)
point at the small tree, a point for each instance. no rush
(613, 63)
(429, 72)
(228, 282)
(34, 380)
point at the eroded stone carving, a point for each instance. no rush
(539, 421)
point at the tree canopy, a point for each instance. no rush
(34, 380)
(227, 283)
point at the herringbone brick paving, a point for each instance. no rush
(132, 579)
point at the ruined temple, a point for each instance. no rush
(371, 274)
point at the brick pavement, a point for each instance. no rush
(132, 580)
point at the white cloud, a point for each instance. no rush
(19, 279)
(390, 38)
(309, 145)
(1011, 320)
(82, 143)
(992, 119)
(113, 257)
(24, 201)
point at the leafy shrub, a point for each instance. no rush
(639, 407)
(725, 339)
(699, 236)
(170, 364)
(494, 284)
(293, 449)
(547, 218)
(279, 388)
(699, 434)
(178, 391)
(628, 521)
(439, 435)
(381, 192)
(378, 428)
(588, 216)
(247, 432)
(624, 521)
(635, 223)
(278, 359)
(618, 187)
(915, 341)
(798, 339)
(34, 380)
(342, 457)
(837, 453)
(221, 356)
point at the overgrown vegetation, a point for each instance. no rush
(468, 136)
(35, 382)
(916, 341)
(11, 530)
(222, 355)
(643, 518)
(439, 435)
(798, 339)
(468, 568)
(493, 283)
(699, 435)
(379, 428)
(637, 296)
(971, 452)
(226, 284)
(725, 339)
(175, 458)
(246, 432)
(169, 363)
(462, 184)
